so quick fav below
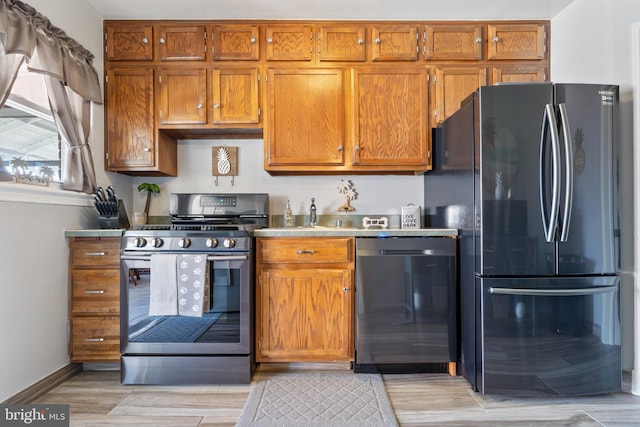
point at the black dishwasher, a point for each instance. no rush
(406, 309)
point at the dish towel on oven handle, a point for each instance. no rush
(193, 280)
(163, 294)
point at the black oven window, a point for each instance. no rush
(220, 323)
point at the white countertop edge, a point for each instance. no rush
(99, 232)
(355, 232)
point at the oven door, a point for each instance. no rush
(224, 328)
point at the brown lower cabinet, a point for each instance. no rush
(304, 299)
(94, 293)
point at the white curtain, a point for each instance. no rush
(72, 83)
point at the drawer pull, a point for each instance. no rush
(305, 251)
(94, 339)
(94, 291)
(95, 253)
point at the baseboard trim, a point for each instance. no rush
(36, 390)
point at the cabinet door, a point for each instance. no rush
(453, 85)
(181, 42)
(516, 41)
(130, 128)
(183, 96)
(235, 95)
(95, 339)
(289, 42)
(518, 74)
(305, 117)
(306, 315)
(390, 115)
(453, 42)
(236, 42)
(341, 43)
(125, 42)
(394, 43)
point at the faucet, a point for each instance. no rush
(313, 220)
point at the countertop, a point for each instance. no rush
(98, 232)
(354, 232)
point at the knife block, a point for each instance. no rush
(115, 221)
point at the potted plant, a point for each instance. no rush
(141, 217)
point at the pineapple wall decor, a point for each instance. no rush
(225, 162)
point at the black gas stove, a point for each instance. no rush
(203, 222)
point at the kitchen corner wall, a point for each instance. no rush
(591, 43)
(377, 195)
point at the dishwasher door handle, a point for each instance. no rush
(405, 252)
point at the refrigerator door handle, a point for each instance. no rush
(553, 292)
(550, 219)
(568, 158)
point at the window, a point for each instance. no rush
(29, 139)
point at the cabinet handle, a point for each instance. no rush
(94, 253)
(94, 339)
(340, 148)
(145, 40)
(357, 148)
(305, 251)
(147, 149)
(269, 40)
(161, 40)
(94, 291)
(199, 106)
(495, 39)
(360, 41)
(479, 40)
(345, 289)
(216, 106)
(378, 41)
(252, 40)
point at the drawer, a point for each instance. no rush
(95, 291)
(305, 250)
(95, 252)
(95, 339)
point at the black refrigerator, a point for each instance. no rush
(528, 173)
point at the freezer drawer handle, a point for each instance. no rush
(553, 292)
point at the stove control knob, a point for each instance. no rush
(211, 242)
(184, 243)
(156, 242)
(229, 243)
(139, 242)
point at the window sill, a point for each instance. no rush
(51, 195)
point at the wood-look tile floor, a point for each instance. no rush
(97, 398)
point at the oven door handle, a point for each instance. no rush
(147, 257)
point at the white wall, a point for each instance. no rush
(33, 249)
(591, 42)
(376, 194)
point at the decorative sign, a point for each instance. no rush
(410, 217)
(225, 162)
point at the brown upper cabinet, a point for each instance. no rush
(341, 43)
(129, 42)
(390, 118)
(289, 42)
(235, 94)
(394, 42)
(453, 85)
(236, 42)
(183, 96)
(516, 41)
(304, 128)
(181, 42)
(327, 97)
(453, 42)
